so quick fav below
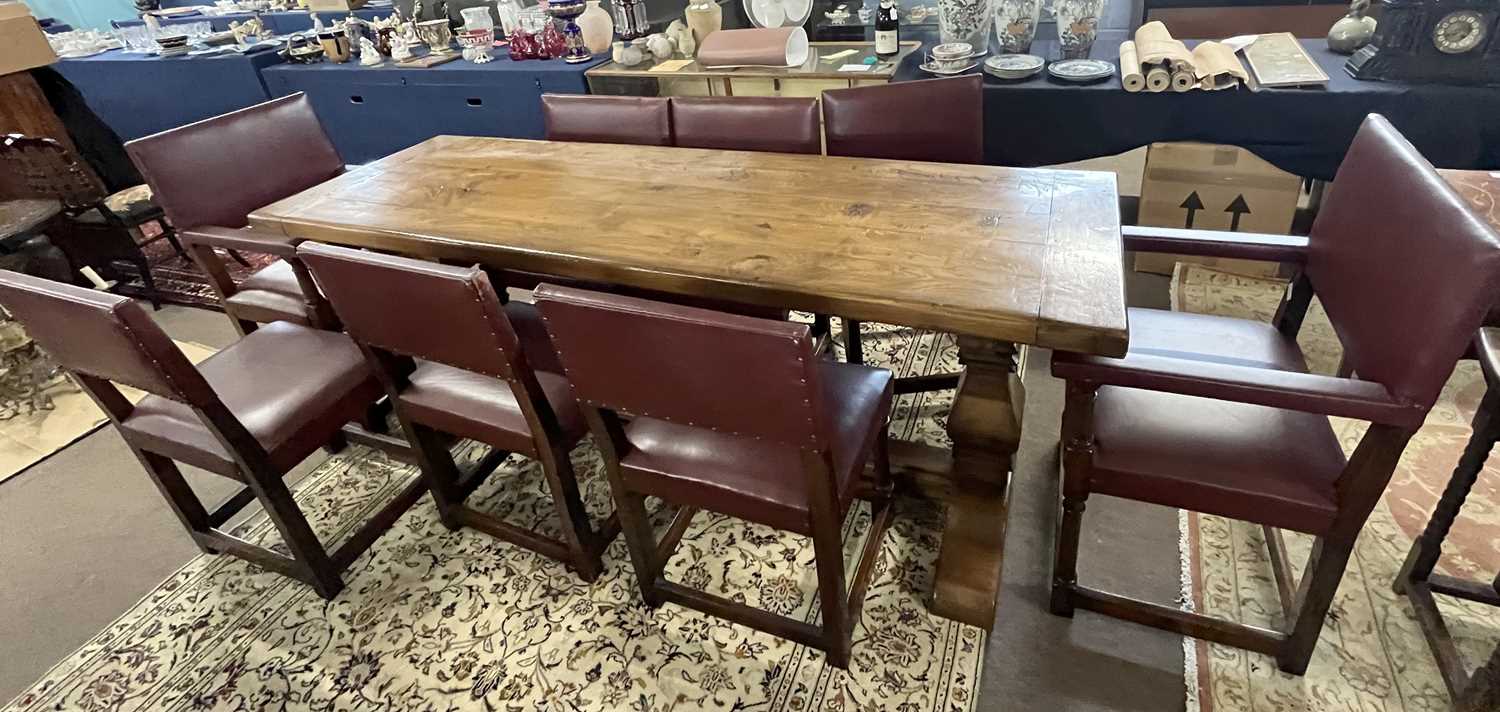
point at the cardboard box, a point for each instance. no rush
(23, 45)
(1213, 187)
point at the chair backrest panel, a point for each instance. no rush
(434, 312)
(733, 374)
(44, 168)
(930, 120)
(1404, 269)
(216, 171)
(776, 124)
(639, 120)
(103, 335)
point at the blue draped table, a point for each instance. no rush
(1040, 121)
(371, 112)
(140, 94)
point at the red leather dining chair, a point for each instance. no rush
(641, 120)
(735, 415)
(251, 413)
(774, 124)
(209, 175)
(940, 120)
(1219, 415)
(456, 363)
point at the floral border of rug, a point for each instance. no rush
(1371, 655)
(440, 620)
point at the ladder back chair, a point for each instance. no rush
(734, 415)
(251, 413)
(1219, 415)
(456, 363)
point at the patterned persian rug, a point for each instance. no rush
(178, 279)
(1371, 655)
(439, 620)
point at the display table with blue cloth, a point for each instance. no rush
(139, 94)
(281, 23)
(371, 112)
(1041, 121)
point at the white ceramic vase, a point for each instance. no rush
(598, 28)
(1015, 24)
(965, 21)
(1077, 25)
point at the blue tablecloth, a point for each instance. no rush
(139, 94)
(1041, 121)
(371, 112)
(280, 22)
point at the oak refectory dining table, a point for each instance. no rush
(1000, 257)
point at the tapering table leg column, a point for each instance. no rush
(985, 425)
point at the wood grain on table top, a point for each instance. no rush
(1024, 255)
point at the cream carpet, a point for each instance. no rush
(29, 437)
(1371, 656)
(439, 620)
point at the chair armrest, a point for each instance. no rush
(1306, 392)
(1213, 243)
(247, 239)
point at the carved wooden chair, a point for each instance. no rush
(1219, 415)
(735, 415)
(457, 364)
(251, 413)
(933, 120)
(102, 227)
(1417, 579)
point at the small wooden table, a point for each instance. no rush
(998, 256)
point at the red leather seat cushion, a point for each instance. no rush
(760, 480)
(292, 387)
(272, 294)
(480, 407)
(1250, 462)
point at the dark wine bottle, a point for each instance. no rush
(887, 29)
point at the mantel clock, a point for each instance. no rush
(1447, 41)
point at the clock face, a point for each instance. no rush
(1458, 32)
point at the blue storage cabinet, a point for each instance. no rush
(138, 94)
(372, 112)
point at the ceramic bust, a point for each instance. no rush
(1353, 30)
(368, 55)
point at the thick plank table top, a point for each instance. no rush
(1019, 255)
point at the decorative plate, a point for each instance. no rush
(1081, 70)
(1014, 66)
(947, 72)
(777, 13)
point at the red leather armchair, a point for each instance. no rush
(642, 120)
(209, 175)
(1219, 415)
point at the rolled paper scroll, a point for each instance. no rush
(1183, 80)
(1130, 68)
(1158, 79)
(758, 47)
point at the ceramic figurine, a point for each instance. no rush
(659, 46)
(682, 37)
(243, 32)
(400, 48)
(1015, 24)
(368, 55)
(704, 17)
(1077, 26)
(598, 27)
(1353, 30)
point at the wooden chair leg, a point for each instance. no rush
(153, 295)
(571, 514)
(179, 495)
(641, 541)
(296, 533)
(1483, 691)
(854, 342)
(821, 326)
(1077, 458)
(438, 468)
(1320, 582)
(1425, 551)
(828, 548)
(336, 444)
(170, 235)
